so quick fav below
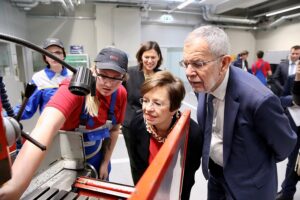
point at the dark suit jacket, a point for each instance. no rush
(281, 74)
(287, 98)
(256, 135)
(239, 63)
(141, 152)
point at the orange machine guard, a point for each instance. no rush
(149, 184)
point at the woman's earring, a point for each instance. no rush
(177, 114)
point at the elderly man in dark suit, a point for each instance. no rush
(245, 129)
(286, 68)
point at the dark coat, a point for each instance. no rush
(280, 75)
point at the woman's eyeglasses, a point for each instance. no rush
(153, 104)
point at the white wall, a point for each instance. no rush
(165, 35)
(242, 40)
(12, 21)
(281, 38)
(72, 31)
(120, 27)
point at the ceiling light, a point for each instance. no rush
(184, 4)
(282, 11)
(166, 18)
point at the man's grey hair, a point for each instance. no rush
(216, 38)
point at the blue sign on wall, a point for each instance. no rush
(76, 49)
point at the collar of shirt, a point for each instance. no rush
(260, 60)
(220, 92)
(50, 73)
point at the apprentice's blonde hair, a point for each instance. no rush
(91, 102)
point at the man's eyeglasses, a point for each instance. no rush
(197, 64)
(154, 104)
(109, 78)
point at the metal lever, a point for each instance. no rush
(30, 88)
(13, 125)
(33, 141)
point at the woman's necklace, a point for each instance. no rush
(147, 75)
(151, 130)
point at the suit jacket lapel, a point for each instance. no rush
(230, 113)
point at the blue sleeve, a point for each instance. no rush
(285, 139)
(31, 106)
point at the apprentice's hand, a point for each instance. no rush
(9, 192)
(103, 171)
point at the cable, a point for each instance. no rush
(4, 99)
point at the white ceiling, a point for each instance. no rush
(249, 13)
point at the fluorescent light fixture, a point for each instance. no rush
(282, 10)
(184, 4)
(166, 18)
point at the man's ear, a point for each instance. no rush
(226, 60)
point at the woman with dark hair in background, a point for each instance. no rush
(149, 60)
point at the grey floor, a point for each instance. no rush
(121, 171)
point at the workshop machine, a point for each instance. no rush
(64, 173)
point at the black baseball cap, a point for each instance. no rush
(112, 58)
(52, 41)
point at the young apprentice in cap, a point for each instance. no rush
(47, 80)
(64, 111)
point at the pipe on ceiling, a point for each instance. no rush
(177, 12)
(225, 6)
(71, 4)
(248, 28)
(28, 4)
(264, 27)
(208, 16)
(280, 20)
(63, 3)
